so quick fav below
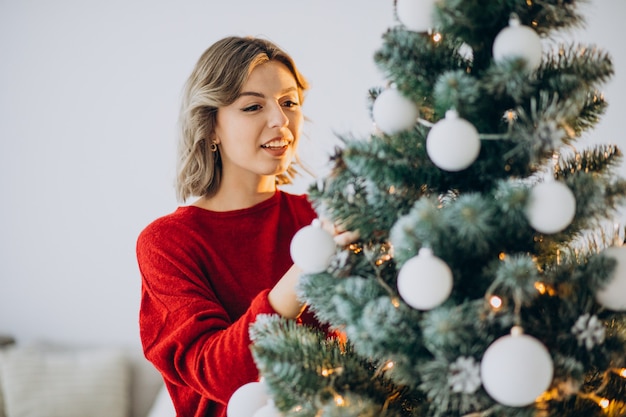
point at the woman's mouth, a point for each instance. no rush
(275, 144)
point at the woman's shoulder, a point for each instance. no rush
(300, 204)
(170, 224)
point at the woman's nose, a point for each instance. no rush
(277, 117)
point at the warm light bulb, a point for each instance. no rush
(495, 302)
(510, 116)
(328, 372)
(437, 37)
(339, 400)
(355, 248)
(383, 259)
(604, 403)
(622, 373)
(539, 286)
(389, 365)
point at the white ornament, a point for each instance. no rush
(518, 41)
(589, 331)
(551, 207)
(416, 15)
(424, 281)
(453, 143)
(613, 294)
(464, 375)
(516, 369)
(268, 410)
(393, 112)
(247, 399)
(312, 248)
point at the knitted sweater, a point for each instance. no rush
(205, 277)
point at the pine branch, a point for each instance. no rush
(414, 61)
(306, 372)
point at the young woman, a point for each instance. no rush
(209, 268)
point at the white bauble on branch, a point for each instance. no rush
(416, 15)
(516, 369)
(424, 281)
(247, 400)
(613, 294)
(518, 41)
(393, 112)
(551, 207)
(312, 248)
(453, 143)
(268, 410)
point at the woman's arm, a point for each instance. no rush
(283, 298)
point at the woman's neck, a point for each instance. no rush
(238, 195)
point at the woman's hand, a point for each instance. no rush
(282, 297)
(341, 236)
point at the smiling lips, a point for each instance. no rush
(276, 144)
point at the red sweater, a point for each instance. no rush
(205, 277)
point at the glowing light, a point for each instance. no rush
(539, 286)
(604, 403)
(495, 302)
(502, 256)
(383, 259)
(339, 400)
(395, 301)
(622, 373)
(510, 116)
(389, 365)
(437, 37)
(328, 372)
(355, 248)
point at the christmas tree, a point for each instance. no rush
(489, 278)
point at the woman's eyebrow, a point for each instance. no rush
(261, 95)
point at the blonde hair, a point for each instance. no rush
(216, 81)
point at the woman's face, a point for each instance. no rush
(257, 134)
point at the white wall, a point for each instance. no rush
(89, 95)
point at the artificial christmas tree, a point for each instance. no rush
(489, 278)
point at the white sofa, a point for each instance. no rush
(45, 380)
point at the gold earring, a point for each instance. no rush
(213, 147)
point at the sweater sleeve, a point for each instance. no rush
(185, 331)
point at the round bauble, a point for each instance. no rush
(247, 399)
(518, 41)
(424, 281)
(393, 112)
(453, 143)
(416, 15)
(613, 294)
(268, 410)
(516, 369)
(551, 207)
(312, 248)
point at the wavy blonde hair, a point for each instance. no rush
(216, 81)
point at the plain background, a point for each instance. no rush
(89, 95)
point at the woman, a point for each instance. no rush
(209, 268)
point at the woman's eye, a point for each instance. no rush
(253, 107)
(290, 103)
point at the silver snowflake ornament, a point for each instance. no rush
(464, 375)
(589, 331)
